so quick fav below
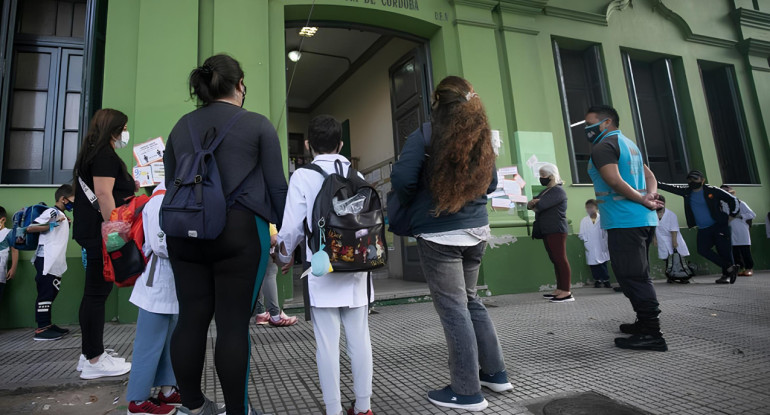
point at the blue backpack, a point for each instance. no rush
(195, 205)
(19, 238)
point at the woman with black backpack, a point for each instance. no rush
(444, 186)
(220, 275)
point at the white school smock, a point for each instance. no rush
(739, 229)
(4, 256)
(595, 240)
(54, 242)
(338, 289)
(667, 224)
(161, 297)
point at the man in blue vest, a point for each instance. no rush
(703, 207)
(626, 190)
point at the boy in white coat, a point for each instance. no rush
(668, 235)
(50, 260)
(155, 295)
(595, 240)
(341, 298)
(740, 230)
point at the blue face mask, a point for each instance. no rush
(68, 206)
(594, 131)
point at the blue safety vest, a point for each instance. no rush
(616, 210)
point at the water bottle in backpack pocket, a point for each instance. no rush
(195, 205)
(18, 238)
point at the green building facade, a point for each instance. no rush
(689, 78)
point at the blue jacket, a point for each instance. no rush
(713, 195)
(409, 181)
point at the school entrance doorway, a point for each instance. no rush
(376, 83)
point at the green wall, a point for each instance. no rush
(502, 46)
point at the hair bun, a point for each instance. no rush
(206, 70)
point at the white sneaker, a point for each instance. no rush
(105, 366)
(110, 352)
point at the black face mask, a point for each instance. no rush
(694, 185)
(545, 181)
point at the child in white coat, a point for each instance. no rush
(668, 235)
(740, 230)
(336, 299)
(595, 240)
(155, 295)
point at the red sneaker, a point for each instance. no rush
(150, 408)
(284, 321)
(174, 400)
(262, 318)
(352, 411)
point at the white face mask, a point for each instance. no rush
(123, 141)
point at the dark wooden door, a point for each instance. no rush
(409, 92)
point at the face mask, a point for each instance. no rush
(243, 97)
(545, 181)
(594, 131)
(694, 186)
(68, 206)
(123, 141)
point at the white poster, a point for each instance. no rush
(149, 152)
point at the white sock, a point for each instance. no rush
(167, 390)
(276, 318)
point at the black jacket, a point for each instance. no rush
(551, 210)
(714, 198)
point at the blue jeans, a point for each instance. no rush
(717, 236)
(600, 272)
(151, 363)
(452, 273)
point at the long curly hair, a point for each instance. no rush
(462, 159)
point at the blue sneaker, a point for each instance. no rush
(497, 382)
(448, 399)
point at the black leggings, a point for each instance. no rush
(742, 256)
(95, 293)
(219, 278)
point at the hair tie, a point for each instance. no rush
(206, 69)
(470, 95)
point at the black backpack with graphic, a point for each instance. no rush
(347, 221)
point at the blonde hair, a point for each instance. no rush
(552, 171)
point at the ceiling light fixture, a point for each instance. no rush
(308, 31)
(294, 55)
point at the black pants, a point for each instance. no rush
(220, 279)
(629, 253)
(47, 290)
(716, 236)
(95, 293)
(742, 256)
(600, 272)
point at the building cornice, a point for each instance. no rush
(664, 11)
(752, 18)
(474, 23)
(585, 17)
(755, 47)
(481, 4)
(525, 7)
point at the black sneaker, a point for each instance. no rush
(58, 329)
(598, 284)
(548, 296)
(633, 328)
(448, 399)
(723, 280)
(642, 342)
(733, 273)
(47, 334)
(607, 284)
(567, 299)
(617, 289)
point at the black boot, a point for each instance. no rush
(648, 338)
(632, 328)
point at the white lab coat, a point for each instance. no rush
(339, 289)
(595, 240)
(667, 224)
(740, 230)
(161, 297)
(4, 256)
(54, 242)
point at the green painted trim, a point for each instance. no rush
(585, 17)
(480, 4)
(752, 18)
(755, 47)
(523, 7)
(523, 30)
(664, 11)
(474, 23)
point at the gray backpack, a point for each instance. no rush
(678, 269)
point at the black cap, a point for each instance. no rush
(695, 174)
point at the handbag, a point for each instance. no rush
(398, 213)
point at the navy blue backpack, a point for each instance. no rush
(195, 206)
(18, 237)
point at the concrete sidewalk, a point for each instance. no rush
(718, 363)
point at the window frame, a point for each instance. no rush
(596, 51)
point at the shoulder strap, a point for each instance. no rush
(195, 137)
(89, 194)
(427, 131)
(316, 168)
